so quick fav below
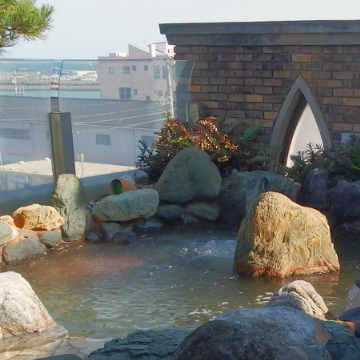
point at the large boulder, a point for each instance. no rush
(7, 233)
(266, 333)
(24, 321)
(69, 198)
(314, 189)
(37, 217)
(241, 189)
(345, 202)
(281, 238)
(300, 295)
(126, 206)
(22, 312)
(19, 251)
(189, 176)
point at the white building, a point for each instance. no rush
(141, 74)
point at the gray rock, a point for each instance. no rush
(126, 206)
(141, 345)
(354, 316)
(345, 202)
(314, 189)
(94, 236)
(241, 189)
(223, 340)
(188, 219)
(292, 326)
(203, 210)
(16, 252)
(109, 229)
(149, 225)
(189, 176)
(51, 238)
(69, 199)
(343, 183)
(123, 237)
(141, 177)
(343, 347)
(300, 295)
(169, 212)
(7, 233)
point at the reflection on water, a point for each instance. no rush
(176, 279)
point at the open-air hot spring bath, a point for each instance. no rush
(169, 280)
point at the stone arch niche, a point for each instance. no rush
(268, 71)
(288, 118)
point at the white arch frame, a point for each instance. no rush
(287, 109)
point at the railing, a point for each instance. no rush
(112, 103)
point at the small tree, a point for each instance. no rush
(22, 19)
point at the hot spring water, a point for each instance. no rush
(166, 281)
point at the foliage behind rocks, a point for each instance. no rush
(342, 162)
(229, 146)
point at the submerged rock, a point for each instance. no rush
(300, 295)
(189, 176)
(69, 198)
(281, 238)
(126, 206)
(37, 217)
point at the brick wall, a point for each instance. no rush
(252, 82)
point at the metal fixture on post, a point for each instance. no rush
(62, 144)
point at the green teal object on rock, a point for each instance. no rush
(116, 187)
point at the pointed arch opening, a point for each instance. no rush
(297, 119)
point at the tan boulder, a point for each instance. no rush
(281, 238)
(37, 217)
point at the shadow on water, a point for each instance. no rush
(174, 279)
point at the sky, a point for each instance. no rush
(86, 29)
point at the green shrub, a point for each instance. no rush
(342, 161)
(229, 146)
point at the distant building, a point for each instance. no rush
(141, 74)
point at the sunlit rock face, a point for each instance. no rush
(281, 238)
(37, 217)
(300, 295)
(21, 311)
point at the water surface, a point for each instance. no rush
(169, 280)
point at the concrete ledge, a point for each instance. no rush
(319, 32)
(95, 187)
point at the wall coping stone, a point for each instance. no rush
(314, 32)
